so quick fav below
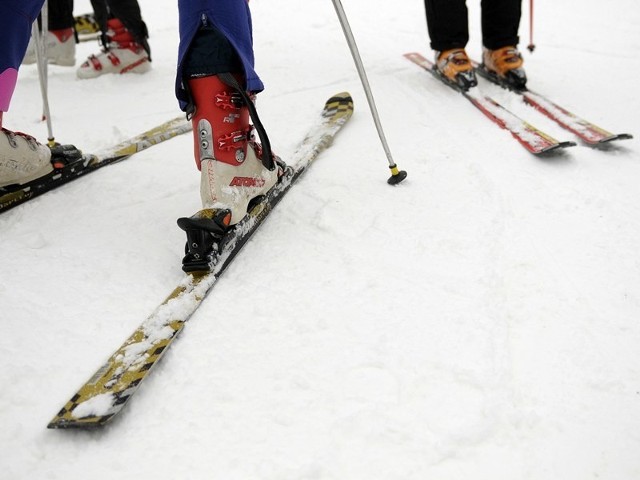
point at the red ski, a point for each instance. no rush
(531, 138)
(587, 131)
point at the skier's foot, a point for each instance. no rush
(121, 54)
(228, 194)
(455, 67)
(232, 187)
(22, 158)
(235, 171)
(506, 65)
(60, 47)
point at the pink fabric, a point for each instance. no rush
(8, 80)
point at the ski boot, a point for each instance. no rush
(455, 67)
(122, 53)
(505, 66)
(25, 162)
(236, 171)
(60, 48)
(22, 159)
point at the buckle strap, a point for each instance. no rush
(228, 101)
(227, 142)
(459, 57)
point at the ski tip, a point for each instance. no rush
(339, 107)
(342, 98)
(559, 146)
(619, 136)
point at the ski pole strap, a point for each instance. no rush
(267, 157)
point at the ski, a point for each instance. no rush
(68, 169)
(531, 138)
(585, 130)
(112, 386)
(86, 27)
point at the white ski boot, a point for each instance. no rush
(22, 158)
(60, 48)
(121, 54)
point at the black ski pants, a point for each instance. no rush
(60, 15)
(128, 12)
(448, 23)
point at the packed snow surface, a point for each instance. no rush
(478, 321)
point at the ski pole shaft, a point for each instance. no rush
(396, 175)
(44, 31)
(41, 61)
(531, 45)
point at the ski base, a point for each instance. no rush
(110, 388)
(530, 137)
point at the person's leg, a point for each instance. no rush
(60, 40)
(124, 40)
(215, 83)
(447, 23)
(223, 142)
(500, 23)
(128, 12)
(60, 14)
(500, 56)
(22, 158)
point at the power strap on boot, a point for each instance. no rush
(267, 156)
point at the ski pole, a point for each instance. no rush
(531, 45)
(41, 61)
(396, 175)
(44, 31)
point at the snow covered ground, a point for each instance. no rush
(480, 321)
